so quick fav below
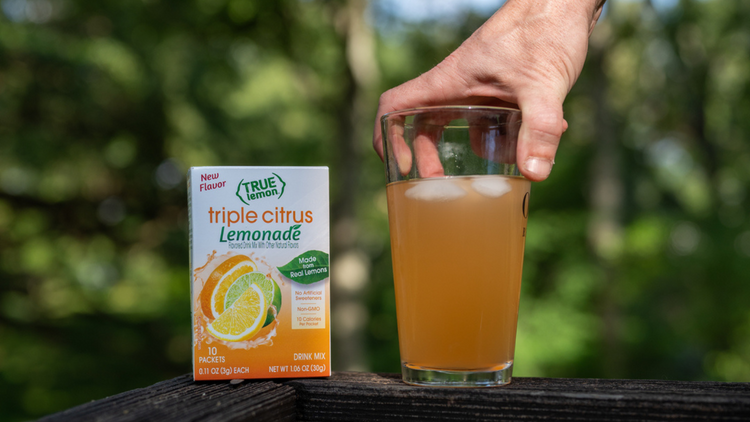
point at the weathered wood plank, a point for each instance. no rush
(383, 397)
(181, 399)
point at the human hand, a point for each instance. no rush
(528, 54)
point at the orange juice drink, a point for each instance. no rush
(457, 246)
(259, 244)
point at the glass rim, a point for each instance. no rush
(417, 110)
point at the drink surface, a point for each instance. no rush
(457, 246)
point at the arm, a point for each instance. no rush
(528, 54)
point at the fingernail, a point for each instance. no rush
(539, 166)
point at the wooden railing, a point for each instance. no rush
(352, 396)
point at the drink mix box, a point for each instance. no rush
(260, 289)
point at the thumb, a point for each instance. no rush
(541, 128)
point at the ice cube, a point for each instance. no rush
(435, 190)
(491, 186)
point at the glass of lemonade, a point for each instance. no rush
(457, 210)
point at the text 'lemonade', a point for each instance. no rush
(457, 258)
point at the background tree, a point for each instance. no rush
(638, 245)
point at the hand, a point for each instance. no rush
(527, 55)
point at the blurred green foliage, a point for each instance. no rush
(638, 245)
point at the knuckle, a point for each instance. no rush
(546, 135)
(547, 127)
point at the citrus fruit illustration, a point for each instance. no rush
(243, 319)
(222, 277)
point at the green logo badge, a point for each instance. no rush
(307, 268)
(261, 188)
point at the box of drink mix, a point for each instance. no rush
(259, 246)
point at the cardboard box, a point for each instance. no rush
(259, 259)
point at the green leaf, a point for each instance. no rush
(307, 268)
(283, 184)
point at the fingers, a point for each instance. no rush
(392, 100)
(494, 139)
(377, 137)
(428, 133)
(542, 126)
(538, 139)
(438, 86)
(425, 133)
(395, 135)
(428, 160)
(396, 146)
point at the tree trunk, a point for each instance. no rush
(350, 266)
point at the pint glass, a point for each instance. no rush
(457, 211)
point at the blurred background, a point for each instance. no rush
(638, 248)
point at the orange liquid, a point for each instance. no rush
(457, 271)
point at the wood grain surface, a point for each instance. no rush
(181, 399)
(356, 396)
(383, 397)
